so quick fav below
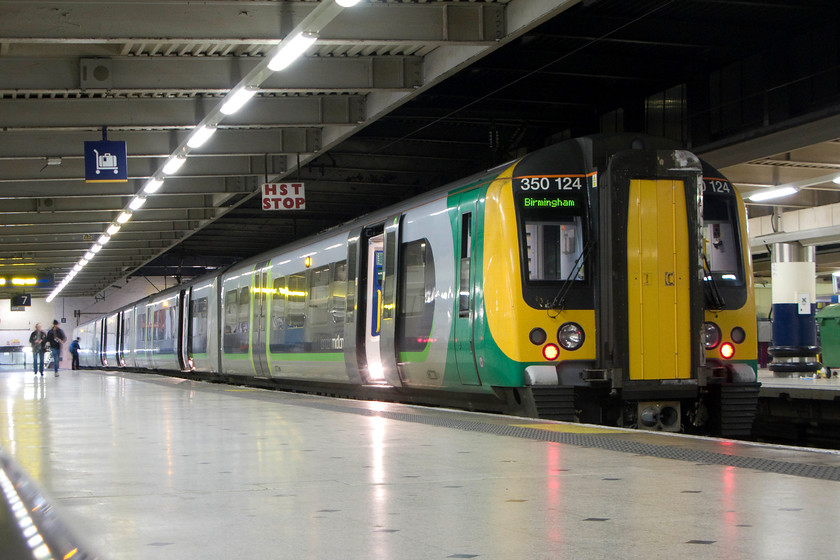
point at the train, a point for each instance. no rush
(604, 279)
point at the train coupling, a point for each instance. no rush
(659, 416)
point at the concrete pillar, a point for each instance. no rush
(794, 348)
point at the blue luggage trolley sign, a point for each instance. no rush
(106, 162)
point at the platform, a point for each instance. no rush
(799, 386)
(146, 466)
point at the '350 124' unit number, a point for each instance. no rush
(551, 183)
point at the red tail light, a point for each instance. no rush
(551, 352)
(727, 350)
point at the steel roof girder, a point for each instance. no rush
(94, 113)
(38, 144)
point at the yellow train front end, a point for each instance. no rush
(607, 271)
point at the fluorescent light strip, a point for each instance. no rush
(174, 164)
(124, 217)
(112, 229)
(236, 99)
(291, 50)
(152, 185)
(772, 193)
(201, 135)
(137, 203)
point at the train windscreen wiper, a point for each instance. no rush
(559, 301)
(714, 300)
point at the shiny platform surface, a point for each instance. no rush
(154, 467)
(800, 386)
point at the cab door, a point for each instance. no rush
(659, 324)
(259, 320)
(465, 318)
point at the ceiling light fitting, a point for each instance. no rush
(174, 164)
(291, 50)
(236, 99)
(770, 194)
(201, 135)
(152, 185)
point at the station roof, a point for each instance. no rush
(393, 99)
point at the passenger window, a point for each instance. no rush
(414, 323)
(277, 332)
(464, 282)
(296, 302)
(198, 318)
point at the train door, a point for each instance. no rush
(184, 339)
(373, 316)
(118, 341)
(103, 337)
(259, 305)
(127, 343)
(659, 323)
(464, 320)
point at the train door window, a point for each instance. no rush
(243, 315)
(231, 320)
(126, 334)
(278, 314)
(198, 319)
(319, 295)
(721, 244)
(466, 249)
(414, 321)
(296, 302)
(338, 293)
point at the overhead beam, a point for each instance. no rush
(37, 143)
(94, 113)
(240, 23)
(207, 75)
(79, 189)
(17, 171)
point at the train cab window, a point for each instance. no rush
(721, 243)
(554, 249)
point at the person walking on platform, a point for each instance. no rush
(36, 340)
(55, 338)
(74, 351)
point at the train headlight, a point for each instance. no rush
(738, 335)
(537, 336)
(711, 335)
(727, 350)
(570, 336)
(551, 352)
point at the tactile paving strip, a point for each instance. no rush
(607, 441)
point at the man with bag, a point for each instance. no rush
(55, 338)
